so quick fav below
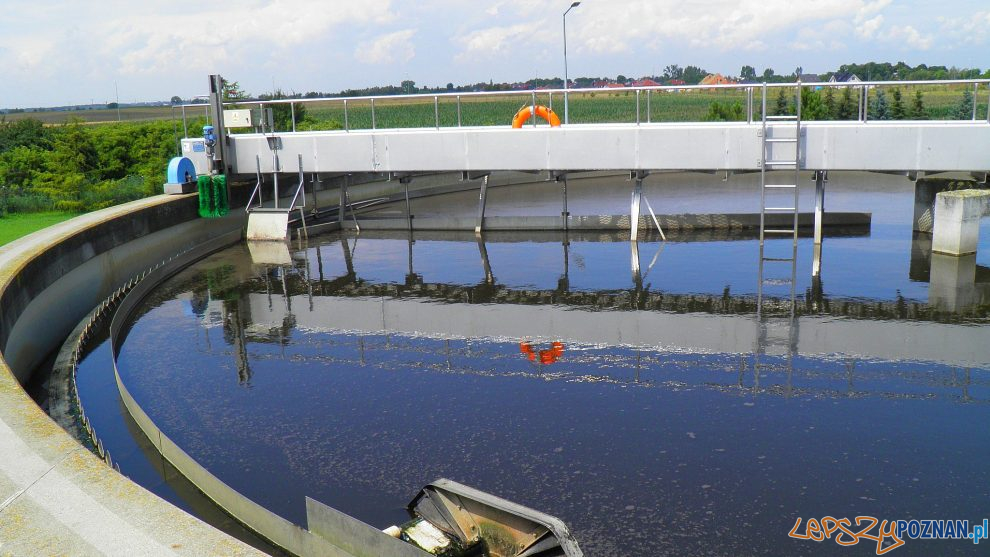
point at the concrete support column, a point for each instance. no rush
(956, 228)
(924, 202)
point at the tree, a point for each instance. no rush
(747, 73)
(899, 112)
(845, 110)
(621, 78)
(831, 108)
(768, 75)
(964, 110)
(781, 108)
(112, 106)
(282, 113)
(408, 86)
(693, 75)
(673, 71)
(812, 106)
(798, 71)
(176, 99)
(718, 112)
(450, 86)
(28, 132)
(918, 111)
(881, 108)
(66, 170)
(232, 91)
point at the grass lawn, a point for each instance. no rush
(15, 226)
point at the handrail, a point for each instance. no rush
(863, 88)
(740, 86)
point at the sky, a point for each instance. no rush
(60, 52)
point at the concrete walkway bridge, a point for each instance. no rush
(632, 130)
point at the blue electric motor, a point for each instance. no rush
(181, 176)
(181, 171)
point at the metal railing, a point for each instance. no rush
(646, 100)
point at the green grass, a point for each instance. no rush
(15, 226)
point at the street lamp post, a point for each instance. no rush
(566, 115)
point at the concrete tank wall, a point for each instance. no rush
(55, 496)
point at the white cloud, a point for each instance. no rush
(966, 31)
(388, 48)
(868, 28)
(909, 36)
(156, 36)
(627, 26)
(485, 43)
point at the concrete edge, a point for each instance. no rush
(55, 496)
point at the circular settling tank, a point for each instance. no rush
(645, 404)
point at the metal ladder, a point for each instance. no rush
(768, 163)
(782, 330)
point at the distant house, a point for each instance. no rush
(645, 83)
(601, 84)
(716, 79)
(677, 82)
(809, 78)
(615, 85)
(844, 77)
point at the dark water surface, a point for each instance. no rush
(356, 370)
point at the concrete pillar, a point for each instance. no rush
(956, 227)
(924, 203)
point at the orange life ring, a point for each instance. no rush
(526, 112)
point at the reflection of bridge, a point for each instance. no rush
(294, 291)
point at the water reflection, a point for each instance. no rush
(580, 374)
(339, 298)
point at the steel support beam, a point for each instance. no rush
(482, 202)
(821, 178)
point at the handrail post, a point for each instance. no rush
(976, 96)
(649, 112)
(185, 129)
(749, 105)
(436, 110)
(292, 109)
(373, 123)
(637, 106)
(458, 111)
(533, 109)
(347, 125)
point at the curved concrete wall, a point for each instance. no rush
(57, 498)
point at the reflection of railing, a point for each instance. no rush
(644, 100)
